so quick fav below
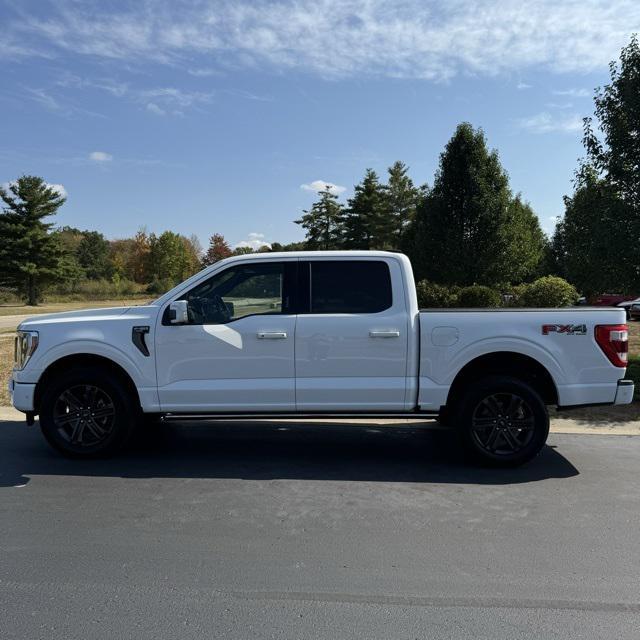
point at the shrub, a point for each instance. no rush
(81, 290)
(432, 295)
(478, 296)
(9, 296)
(549, 291)
(160, 286)
(512, 295)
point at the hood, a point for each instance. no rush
(83, 315)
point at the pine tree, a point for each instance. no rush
(469, 229)
(323, 222)
(30, 255)
(93, 255)
(219, 249)
(402, 198)
(365, 218)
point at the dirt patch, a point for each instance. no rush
(610, 414)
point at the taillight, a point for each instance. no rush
(614, 341)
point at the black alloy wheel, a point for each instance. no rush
(87, 412)
(501, 421)
(84, 415)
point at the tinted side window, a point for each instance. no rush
(236, 292)
(350, 286)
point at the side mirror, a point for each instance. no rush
(178, 312)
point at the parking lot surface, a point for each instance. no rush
(284, 530)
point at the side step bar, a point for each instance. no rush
(292, 416)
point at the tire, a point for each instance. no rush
(87, 413)
(502, 422)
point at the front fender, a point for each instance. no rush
(139, 368)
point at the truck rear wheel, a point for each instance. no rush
(502, 421)
(87, 413)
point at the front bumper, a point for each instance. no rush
(22, 395)
(624, 392)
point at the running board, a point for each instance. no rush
(292, 416)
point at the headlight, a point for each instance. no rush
(26, 343)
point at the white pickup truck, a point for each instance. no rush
(308, 333)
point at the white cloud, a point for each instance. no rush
(254, 241)
(58, 188)
(546, 123)
(174, 96)
(523, 85)
(338, 38)
(320, 185)
(203, 73)
(572, 93)
(152, 107)
(100, 156)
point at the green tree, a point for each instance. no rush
(219, 249)
(292, 246)
(138, 257)
(402, 199)
(242, 251)
(600, 231)
(121, 251)
(93, 255)
(323, 222)
(525, 242)
(469, 229)
(30, 255)
(169, 258)
(366, 219)
(193, 250)
(589, 242)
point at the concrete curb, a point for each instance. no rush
(558, 425)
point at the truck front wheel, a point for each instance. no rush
(86, 413)
(502, 421)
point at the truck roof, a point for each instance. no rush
(316, 254)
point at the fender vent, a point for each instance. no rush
(137, 336)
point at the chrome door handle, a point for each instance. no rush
(272, 335)
(384, 334)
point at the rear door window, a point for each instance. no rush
(349, 286)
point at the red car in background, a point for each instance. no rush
(630, 304)
(610, 300)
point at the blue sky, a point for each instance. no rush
(209, 116)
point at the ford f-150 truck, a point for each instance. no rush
(308, 333)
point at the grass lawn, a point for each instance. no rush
(634, 338)
(6, 363)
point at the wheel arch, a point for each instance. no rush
(506, 363)
(84, 360)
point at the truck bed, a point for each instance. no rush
(452, 338)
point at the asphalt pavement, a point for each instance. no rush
(284, 530)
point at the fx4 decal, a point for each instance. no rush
(568, 329)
